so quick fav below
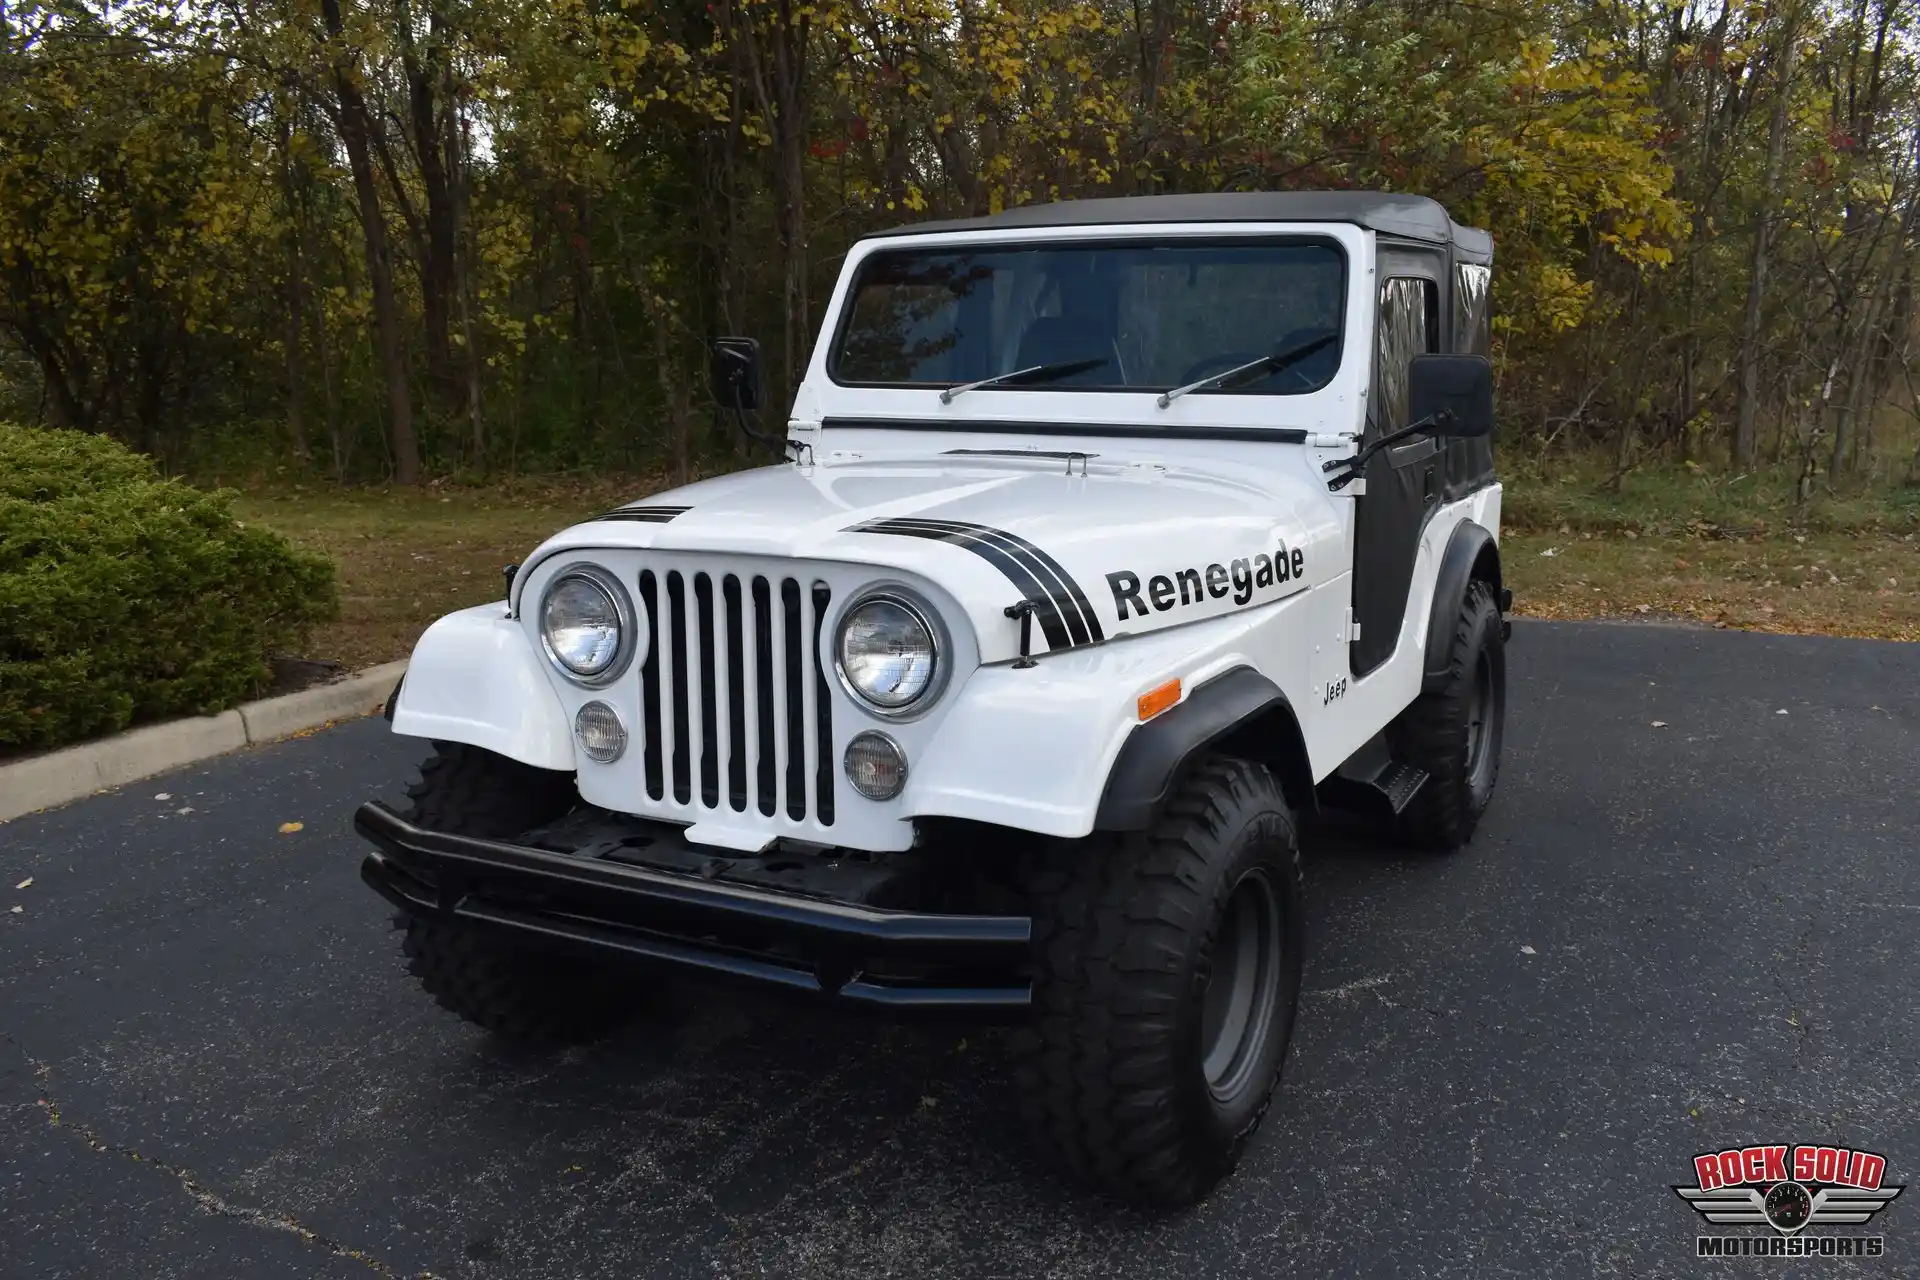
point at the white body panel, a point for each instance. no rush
(474, 678)
(1151, 547)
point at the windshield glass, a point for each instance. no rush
(1095, 316)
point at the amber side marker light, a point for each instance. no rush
(1154, 701)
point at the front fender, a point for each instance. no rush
(1038, 748)
(475, 678)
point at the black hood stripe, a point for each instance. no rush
(1082, 624)
(644, 515)
(1046, 609)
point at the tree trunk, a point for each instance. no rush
(354, 129)
(430, 119)
(463, 263)
(778, 77)
(296, 421)
(1743, 430)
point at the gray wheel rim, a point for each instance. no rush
(1243, 989)
(1482, 706)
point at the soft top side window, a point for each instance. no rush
(1409, 326)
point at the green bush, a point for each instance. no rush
(125, 597)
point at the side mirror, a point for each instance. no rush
(1460, 386)
(735, 373)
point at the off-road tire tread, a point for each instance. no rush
(1111, 919)
(512, 991)
(1431, 734)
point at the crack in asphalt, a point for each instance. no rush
(208, 1200)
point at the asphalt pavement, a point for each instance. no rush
(1690, 921)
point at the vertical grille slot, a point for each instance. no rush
(794, 722)
(739, 698)
(650, 688)
(675, 725)
(823, 709)
(767, 761)
(735, 703)
(710, 692)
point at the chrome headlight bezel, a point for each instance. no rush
(624, 617)
(941, 646)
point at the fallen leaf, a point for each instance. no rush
(1528, 951)
(288, 828)
(18, 910)
(164, 795)
(1782, 711)
(183, 812)
(1549, 553)
(1644, 608)
(1659, 724)
(29, 880)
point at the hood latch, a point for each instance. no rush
(1024, 612)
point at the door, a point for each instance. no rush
(1403, 483)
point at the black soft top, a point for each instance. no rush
(1414, 217)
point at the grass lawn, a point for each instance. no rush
(407, 557)
(1671, 544)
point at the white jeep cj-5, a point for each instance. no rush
(1112, 538)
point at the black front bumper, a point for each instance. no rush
(872, 956)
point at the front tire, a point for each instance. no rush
(516, 992)
(1454, 732)
(1167, 977)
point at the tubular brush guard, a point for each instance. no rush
(894, 960)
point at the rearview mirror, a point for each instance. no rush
(1461, 386)
(736, 373)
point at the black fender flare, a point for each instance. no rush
(1239, 711)
(1472, 553)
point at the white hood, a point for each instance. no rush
(1105, 551)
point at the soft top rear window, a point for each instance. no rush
(1104, 315)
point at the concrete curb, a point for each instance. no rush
(59, 777)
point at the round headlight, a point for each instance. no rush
(584, 621)
(887, 654)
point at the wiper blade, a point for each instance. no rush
(1265, 364)
(1037, 373)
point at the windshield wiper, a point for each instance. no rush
(1038, 373)
(1265, 364)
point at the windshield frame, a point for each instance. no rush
(1110, 238)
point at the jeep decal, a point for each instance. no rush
(1187, 587)
(1065, 615)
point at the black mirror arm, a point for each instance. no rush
(747, 429)
(1351, 467)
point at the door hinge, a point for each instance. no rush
(1353, 628)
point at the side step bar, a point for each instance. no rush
(1373, 782)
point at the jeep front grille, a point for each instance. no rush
(737, 716)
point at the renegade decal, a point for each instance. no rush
(1188, 587)
(1065, 615)
(644, 515)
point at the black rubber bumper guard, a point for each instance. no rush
(805, 945)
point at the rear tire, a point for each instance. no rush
(1454, 732)
(1167, 974)
(517, 992)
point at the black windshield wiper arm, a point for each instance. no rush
(1037, 373)
(1265, 364)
